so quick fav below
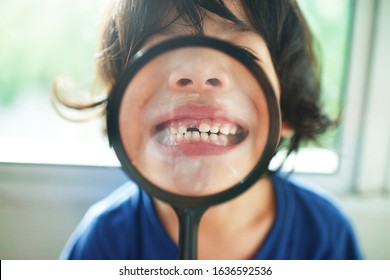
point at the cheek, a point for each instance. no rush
(141, 93)
(138, 106)
(249, 102)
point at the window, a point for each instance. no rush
(364, 138)
(41, 42)
(331, 24)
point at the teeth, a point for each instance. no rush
(188, 135)
(225, 130)
(182, 129)
(179, 137)
(204, 136)
(223, 140)
(207, 131)
(220, 140)
(172, 130)
(215, 128)
(214, 138)
(172, 139)
(196, 135)
(233, 130)
(204, 127)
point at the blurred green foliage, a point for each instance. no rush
(41, 39)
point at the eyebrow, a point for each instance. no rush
(237, 26)
(226, 26)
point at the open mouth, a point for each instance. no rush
(199, 136)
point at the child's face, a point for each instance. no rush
(194, 121)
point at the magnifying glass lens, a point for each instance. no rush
(194, 121)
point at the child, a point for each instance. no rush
(276, 218)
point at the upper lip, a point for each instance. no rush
(197, 112)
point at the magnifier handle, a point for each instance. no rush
(189, 219)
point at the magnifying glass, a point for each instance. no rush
(194, 122)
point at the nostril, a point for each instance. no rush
(184, 82)
(213, 82)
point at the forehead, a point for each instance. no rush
(225, 16)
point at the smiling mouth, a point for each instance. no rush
(205, 135)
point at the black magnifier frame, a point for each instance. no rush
(188, 205)
(140, 60)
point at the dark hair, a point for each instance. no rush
(279, 22)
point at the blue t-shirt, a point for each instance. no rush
(125, 225)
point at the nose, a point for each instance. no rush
(199, 72)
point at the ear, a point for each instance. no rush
(287, 131)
